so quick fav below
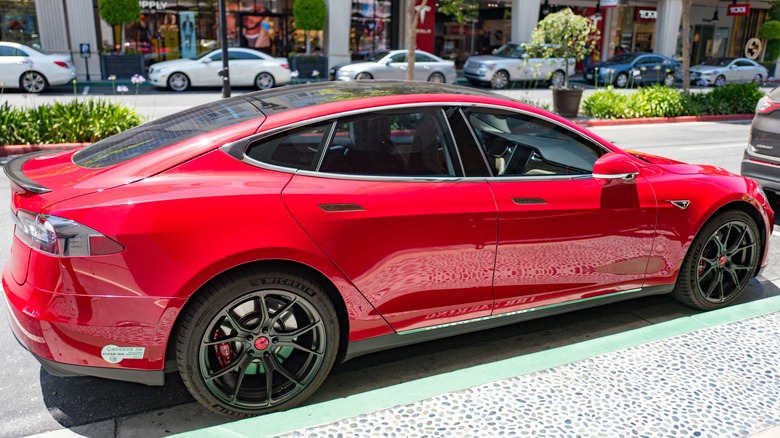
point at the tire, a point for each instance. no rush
(363, 75)
(500, 80)
(720, 81)
(178, 81)
(33, 82)
(250, 321)
(557, 78)
(720, 262)
(264, 81)
(758, 79)
(437, 78)
(669, 80)
(621, 81)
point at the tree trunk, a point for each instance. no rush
(122, 42)
(412, 17)
(308, 43)
(686, 45)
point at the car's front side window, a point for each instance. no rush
(524, 145)
(392, 143)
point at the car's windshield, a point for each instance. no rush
(377, 56)
(623, 58)
(720, 62)
(510, 51)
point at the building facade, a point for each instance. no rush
(173, 29)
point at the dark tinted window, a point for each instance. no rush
(423, 58)
(243, 55)
(521, 144)
(392, 144)
(470, 155)
(297, 148)
(7, 51)
(163, 132)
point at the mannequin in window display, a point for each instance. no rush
(188, 36)
(170, 35)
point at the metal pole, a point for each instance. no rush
(225, 72)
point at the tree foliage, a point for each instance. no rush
(310, 14)
(116, 12)
(568, 36)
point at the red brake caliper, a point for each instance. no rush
(223, 350)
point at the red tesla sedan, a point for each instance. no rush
(256, 240)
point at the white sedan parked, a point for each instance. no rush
(393, 65)
(720, 71)
(32, 70)
(247, 68)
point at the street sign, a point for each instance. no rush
(85, 51)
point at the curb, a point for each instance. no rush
(652, 120)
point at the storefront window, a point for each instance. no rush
(18, 22)
(370, 30)
(636, 29)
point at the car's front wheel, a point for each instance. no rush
(363, 75)
(264, 81)
(720, 262)
(621, 80)
(33, 82)
(720, 81)
(257, 341)
(178, 82)
(500, 80)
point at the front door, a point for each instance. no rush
(562, 235)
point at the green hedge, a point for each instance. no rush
(73, 122)
(660, 101)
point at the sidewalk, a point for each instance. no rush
(714, 374)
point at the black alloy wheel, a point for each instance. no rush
(720, 263)
(258, 343)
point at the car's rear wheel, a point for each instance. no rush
(500, 80)
(557, 78)
(437, 78)
(621, 81)
(178, 81)
(33, 82)
(264, 81)
(720, 262)
(669, 80)
(720, 81)
(758, 79)
(363, 75)
(257, 341)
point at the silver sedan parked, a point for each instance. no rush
(393, 65)
(720, 71)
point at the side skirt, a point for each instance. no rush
(409, 337)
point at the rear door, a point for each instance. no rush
(389, 205)
(13, 63)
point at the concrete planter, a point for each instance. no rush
(122, 66)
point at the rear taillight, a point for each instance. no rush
(61, 237)
(766, 105)
(62, 64)
(285, 66)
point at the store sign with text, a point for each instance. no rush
(645, 15)
(426, 10)
(738, 10)
(609, 3)
(153, 4)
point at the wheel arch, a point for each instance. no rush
(751, 211)
(315, 275)
(168, 81)
(45, 79)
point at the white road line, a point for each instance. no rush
(776, 233)
(86, 91)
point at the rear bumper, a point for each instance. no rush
(764, 171)
(120, 338)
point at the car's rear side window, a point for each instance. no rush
(297, 148)
(163, 132)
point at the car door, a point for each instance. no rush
(394, 68)
(389, 205)
(206, 71)
(424, 65)
(562, 235)
(13, 63)
(650, 68)
(244, 66)
(745, 70)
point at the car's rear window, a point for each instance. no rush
(163, 132)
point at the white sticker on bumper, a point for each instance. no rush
(114, 354)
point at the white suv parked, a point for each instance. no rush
(516, 62)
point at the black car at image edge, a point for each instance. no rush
(761, 161)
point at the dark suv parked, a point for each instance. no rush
(761, 161)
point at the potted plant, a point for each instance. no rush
(309, 15)
(570, 36)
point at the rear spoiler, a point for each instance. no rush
(13, 170)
